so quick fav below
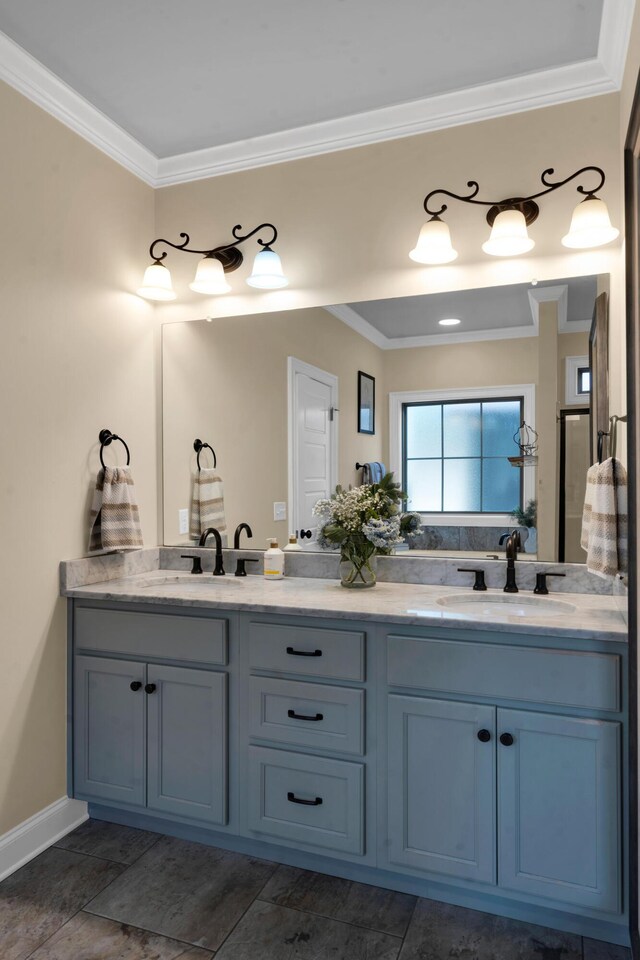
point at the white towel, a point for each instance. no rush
(114, 521)
(605, 520)
(207, 504)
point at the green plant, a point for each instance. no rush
(527, 517)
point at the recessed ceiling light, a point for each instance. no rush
(449, 322)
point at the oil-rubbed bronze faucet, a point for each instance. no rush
(219, 569)
(513, 543)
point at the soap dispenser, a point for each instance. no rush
(273, 561)
(293, 545)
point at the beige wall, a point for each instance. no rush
(226, 382)
(570, 345)
(347, 220)
(77, 355)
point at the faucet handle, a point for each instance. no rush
(479, 574)
(197, 562)
(240, 565)
(541, 582)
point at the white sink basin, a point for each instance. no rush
(186, 580)
(505, 604)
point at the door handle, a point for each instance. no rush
(150, 688)
(303, 653)
(135, 685)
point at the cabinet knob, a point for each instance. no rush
(506, 739)
(484, 736)
(150, 688)
(135, 685)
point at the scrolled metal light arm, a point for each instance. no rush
(526, 204)
(227, 253)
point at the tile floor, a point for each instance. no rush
(107, 892)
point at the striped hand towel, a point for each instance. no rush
(114, 521)
(207, 504)
(605, 520)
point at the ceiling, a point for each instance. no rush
(256, 79)
(510, 310)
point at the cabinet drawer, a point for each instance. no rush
(307, 714)
(308, 800)
(533, 674)
(152, 635)
(307, 651)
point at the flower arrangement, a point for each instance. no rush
(364, 521)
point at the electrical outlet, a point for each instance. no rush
(279, 511)
(183, 520)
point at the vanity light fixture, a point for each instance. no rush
(449, 322)
(210, 276)
(509, 219)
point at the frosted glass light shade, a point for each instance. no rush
(267, 271)
(156, 284)
(590, 225)
(210, 278)
(434, 244)
(509, 237)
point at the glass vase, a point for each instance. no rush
(357, 572)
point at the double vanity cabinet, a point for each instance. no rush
(479, 767)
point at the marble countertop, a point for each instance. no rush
(593, 617)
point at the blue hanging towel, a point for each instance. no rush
(373, 472)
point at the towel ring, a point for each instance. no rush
(105, 437)
(199, 446)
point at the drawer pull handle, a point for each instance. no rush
(303, 653)
(484, 736)
(150, 688)
(301, 716)
(291, 797)
(135, 685)
(506, 739)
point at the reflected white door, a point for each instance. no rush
(312, 446)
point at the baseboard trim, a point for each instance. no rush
(34, 835)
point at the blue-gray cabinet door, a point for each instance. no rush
(187, 743)
(442, 787)
(109, 729)
(559, 801)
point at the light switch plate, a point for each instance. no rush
(183, 520)
(280, 511)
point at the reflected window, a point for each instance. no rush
(584, 381)
(455, 455)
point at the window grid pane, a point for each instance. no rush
(481, 483)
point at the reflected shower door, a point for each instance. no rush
(575, 460)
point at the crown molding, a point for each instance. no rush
(28, 76)
(615, 32)
(483, 102)
(532, 91)
(353, 319)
